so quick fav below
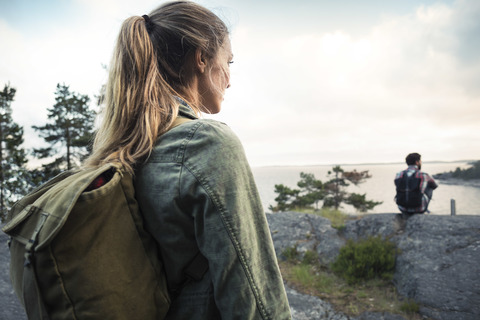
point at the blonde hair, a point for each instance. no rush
(152, 63)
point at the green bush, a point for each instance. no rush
(410, 307)
(365, 260)
(310, 257)
(290, 253)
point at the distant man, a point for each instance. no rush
(414, 187)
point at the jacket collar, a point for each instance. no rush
(184, 110)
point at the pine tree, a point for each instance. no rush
(286, 199)
(311, 191)
(336, 194)
(12, 156)
(69, 133)
(335, 188)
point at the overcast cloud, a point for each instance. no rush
(312, 82)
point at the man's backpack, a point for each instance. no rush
(409, 194)
(79, 254)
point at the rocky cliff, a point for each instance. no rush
(438, 265)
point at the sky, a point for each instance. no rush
(313, 81)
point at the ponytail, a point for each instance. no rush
(140, 104)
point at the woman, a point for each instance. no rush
(193, 183)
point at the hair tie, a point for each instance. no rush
(148, 23)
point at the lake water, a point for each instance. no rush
(379, 187)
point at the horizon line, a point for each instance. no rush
(356, 164)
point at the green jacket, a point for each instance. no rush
(197, 194)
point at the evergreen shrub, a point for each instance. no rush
(410, 307)
(310, 257)
(365, 259)
(290, 253)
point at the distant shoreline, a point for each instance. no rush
(459, 182)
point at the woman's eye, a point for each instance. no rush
(230, 62)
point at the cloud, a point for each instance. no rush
(17, 66)
(318, 91)
(402, 85)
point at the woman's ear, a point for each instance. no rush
(200, 61)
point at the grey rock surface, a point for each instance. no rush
(379, 316)
(305, 232)
(293, 230)
(306, 307)
(440, 265)
(10, 307)
(385, 225)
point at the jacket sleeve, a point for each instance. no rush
(230, 226)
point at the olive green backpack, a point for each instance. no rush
(85, 255)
